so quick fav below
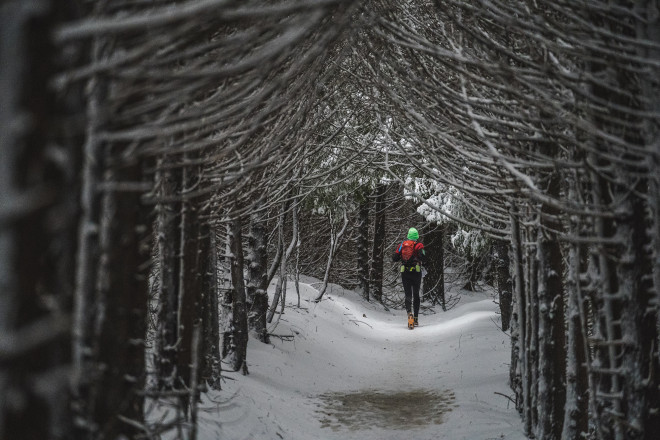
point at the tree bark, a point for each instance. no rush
(168, 240)
(363, 248)
(606, 355)
(639, 363)
(85, 343)
(123, 295)
(280, 290)
(647, 29)
(434, 281)
(335, 243)
(210, 350)
(190, 269)
(282, 261)
(472, 274)
(38, 202)
(239, 336)
(551, 334)
(551, 319)
(257, 296)
(532, 332)
(576, 411)
(519, 375)
(504, 282)
(378, 249)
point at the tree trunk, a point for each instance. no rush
(117, 393)
(533, 334)
(551, 334)
(606, 355)
(168, 240)
(38, 202)
(278, 296)
(257, 296)
(504, 282)
(363, 249)
(239, 336)
(376, 273)
(280, 290)
(227, 299)
(210, 354)
(639, 362)
(434, 281)
(297, 266)
(190, 285)
(282, 261)
(551, 386)
(647, 29)
(576, 411)
(335, 243)
(471, 272)
(520, 365)
(88, 254)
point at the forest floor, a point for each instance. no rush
(346, 369)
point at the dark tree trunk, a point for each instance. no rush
(189, 287)
(376, 273)
(168, 240)
(88, 251)
(627, 355)
(38, 198)
(471, 272)
(504, 282)
(227, 299)
(256, 289)
(239, 336)
(434, 281)
(531, 418)
(519, 375)
(123, 295)
(639, 362)
(363, 249)
(525, 335)
(279, 255)
(490, 269)
(551, 334)
(602, 297)
(282, 261)
(638, 228)
(648, 30)
(210, 353)
(576, 411)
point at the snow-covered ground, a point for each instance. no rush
(354, 371)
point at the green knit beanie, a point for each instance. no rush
(413, 234)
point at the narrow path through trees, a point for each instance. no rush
(154, 153)
(355, 371)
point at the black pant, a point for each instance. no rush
(411, 283)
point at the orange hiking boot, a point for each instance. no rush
(411, 321)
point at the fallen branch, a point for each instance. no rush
(356, 322)
(504, 395)
(282, 337)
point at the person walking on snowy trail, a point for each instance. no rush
(412, 255)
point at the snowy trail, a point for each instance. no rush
(356, 371)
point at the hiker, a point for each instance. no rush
(412, 255)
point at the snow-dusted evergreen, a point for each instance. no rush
(170, 169)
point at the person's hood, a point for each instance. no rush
(413, 234)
